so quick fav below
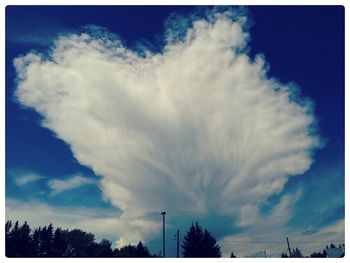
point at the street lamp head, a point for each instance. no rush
(163, 213)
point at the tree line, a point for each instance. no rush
(49, 242)
(296, 252)
(46, 241)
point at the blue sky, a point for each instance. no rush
(119, 162)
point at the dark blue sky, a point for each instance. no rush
(302, 44)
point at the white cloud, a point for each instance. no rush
(101, 222)
(27, 178)
(199, 126)
(268, 233)
(59, 185)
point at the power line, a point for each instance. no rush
(159, 241)
(321, 241)
(243, 241)
(276, 242)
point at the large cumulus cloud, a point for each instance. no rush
(198, 126)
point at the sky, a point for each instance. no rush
(229, 116)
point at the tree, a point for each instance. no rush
(59, 245)
(142, 251)
(317, 255)
(324, 253)
(139, 251)
(78, 242)
(200, 244)
(36, 243)
(232, 255)
(210, 249)
(102, 249)
(24, 242)
(8, 228)
(46, 236)
(45, 242)
(12, 240)
(284, 255)
(296, 253)
(192, 240)
(127, 251)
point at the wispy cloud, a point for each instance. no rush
(60, 185)
(28, 178)
(268, 233)
(200, 126)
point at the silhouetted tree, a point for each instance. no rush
(127, 251)
(78, 242)
(324, 253)
(317, 255)
(24, 243)
(296, 253)
(102, 249)
(139, 251)
(36, 242)
(12, 240)
(45, 242)
(210, 249)
(200, 244)
(192, 240)
(284, 255)
(8, 241)
(59, 245)
(142, 251)
(46, 236)
(232, 255)
(8, 226)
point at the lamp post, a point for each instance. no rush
(163, 214)
(177, 243)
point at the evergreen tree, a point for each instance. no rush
(36, 243)
(317, 255)
(44, 242)
(8, 226)
(8, 241)
(127, 251)
(209, 248)
(324, 253)
(296, 253)
(25, 241)
(59, 245)
(46, 236)
(192, 241)
(102, 249)
(139, 251)
(200, 244)
(13, 241)
(284, 255)
(79, 242)
(142, 251)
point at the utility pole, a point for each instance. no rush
(163, 214)
(177, 242)
(290, 253)
(265, 253)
